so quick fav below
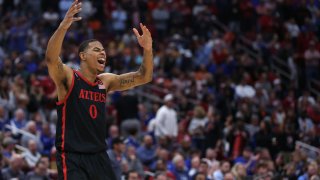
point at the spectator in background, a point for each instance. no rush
(31, 156)
(305, 100)
(161, 17)
(1, 166)
(204, 168)
(3, 120)
(7, 98)
(160, 176)
(117, 156)
(220, 173)
(147, 152)
(127, 111)
(312, 58)
(88, 9)
(133, 175)
(8, 145)
(113, 133)
(19, 120)
(229, 176)
(41, 170)
(263, 136)
(64, 6)
(19, 89)
(312, 170)
(252, 127)
(211, 157)
(51, 17)
(161, 167)
(197, 126)
(306, 126)
(15, 168)
(244, 90)
(134, 162)
(239, 171)
(179, 168)
(166, 120)
(47, 139)
(247, 159)
(163, 155)
(119, 18)
(200, 176)
(31, 133)
(195, 163)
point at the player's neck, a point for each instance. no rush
(90, 76)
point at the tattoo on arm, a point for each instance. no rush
(127, 81)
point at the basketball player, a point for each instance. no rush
(81, 128)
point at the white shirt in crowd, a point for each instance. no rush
(196, 123)
(245, 91)
(31, 159)
(166, 122)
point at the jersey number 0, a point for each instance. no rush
(93, 111)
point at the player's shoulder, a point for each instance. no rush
(106, 76)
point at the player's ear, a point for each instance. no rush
(82, 56)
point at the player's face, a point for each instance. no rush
(96, 56)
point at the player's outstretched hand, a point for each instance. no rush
(69, 18)
(145, 40)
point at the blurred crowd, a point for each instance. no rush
(212, 111)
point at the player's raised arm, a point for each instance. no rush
(57, 70)
(144, 74)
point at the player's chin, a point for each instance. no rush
(100, 70)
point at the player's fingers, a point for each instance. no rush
(76, 9)
(141, 26)
(148, 32)
(74, 12)
(73, 5)
(136, 32)
(77, 18)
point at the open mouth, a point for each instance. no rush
(102, 61)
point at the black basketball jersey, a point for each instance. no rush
(82, 126)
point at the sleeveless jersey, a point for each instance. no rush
(82, 126)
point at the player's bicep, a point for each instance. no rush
(124, 81)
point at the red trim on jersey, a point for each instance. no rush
(64, 165)
(86, 80)
(68, 94)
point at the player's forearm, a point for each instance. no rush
(55, 44)
(146, 68)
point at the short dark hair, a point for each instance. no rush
(117, 140)
(132, 172)
(83, 46)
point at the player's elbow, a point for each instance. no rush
(149, 76)
(149, 79)
(47, 59)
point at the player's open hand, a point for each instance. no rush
(145, 40)
(69, 18)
